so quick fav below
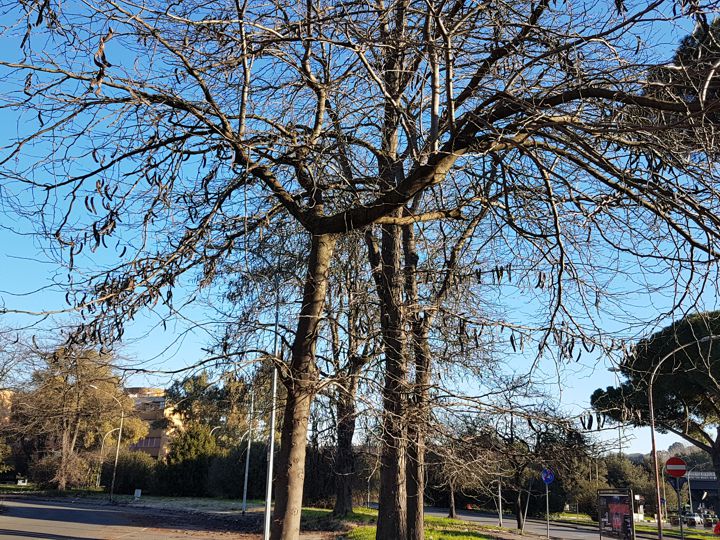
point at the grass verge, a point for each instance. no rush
(432, 532)
(362, 526)
(691, 533)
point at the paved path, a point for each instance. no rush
(69, 520)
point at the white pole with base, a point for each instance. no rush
(500, 523)
(547, 508)
(271, 448)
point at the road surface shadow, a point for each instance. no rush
(70, 514)
(8, 533)
(123, 516)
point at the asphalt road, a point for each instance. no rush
(67, 521)
(538, 527)
(557, 530)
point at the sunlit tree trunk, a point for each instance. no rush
(300, 382)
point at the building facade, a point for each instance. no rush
(151, 406)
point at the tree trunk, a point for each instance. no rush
(518, 509)
(452, 513)
(392, 517)
(416, 438)
(415, 481)
(345, 457)
(300, 382)
(418, 417)
(62, 473)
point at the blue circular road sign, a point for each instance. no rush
(547, 476)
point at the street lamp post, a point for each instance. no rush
(119, 439)
(500, 510)
(247, 452)
(102, 449)
(652, 422)
(271, 447)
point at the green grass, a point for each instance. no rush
(367, 532)
(14, 488)
(691, 533)
(570, 516)
(359, 515)
(200, 504)
(364, 532)
(32, 489)
(321, 519)
(435, 528)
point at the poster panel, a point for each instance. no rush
(615, 513)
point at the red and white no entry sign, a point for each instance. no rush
(676, 467)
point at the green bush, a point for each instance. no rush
(135, 470)
(226, 476)
(186, 471)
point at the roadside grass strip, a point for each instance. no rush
(366, 532)
(362, 520)
(691, 533)
(359, 516)
(571, 517)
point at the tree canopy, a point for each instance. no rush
(73, 398)
(685, 360)
(679, 368)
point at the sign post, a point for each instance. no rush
(548, 477)
(615, 514)
(677, 468)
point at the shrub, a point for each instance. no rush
(45, 471)
(186, 471)
(135, 470)
(226, 476)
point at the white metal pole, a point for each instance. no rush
(500, 516)
(656, 467)
(527, 504)
(271, 448)
(102, 453)
(247, 453)
(682, 532)
(117, 451)
(270, 459)
(665, 510)
(547, 509)
(651, 410)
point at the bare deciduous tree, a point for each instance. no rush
(172, 137)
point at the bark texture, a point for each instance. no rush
(345, 456)
(300, 382)
(392, 519)
(418, 413)
(452, 514)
